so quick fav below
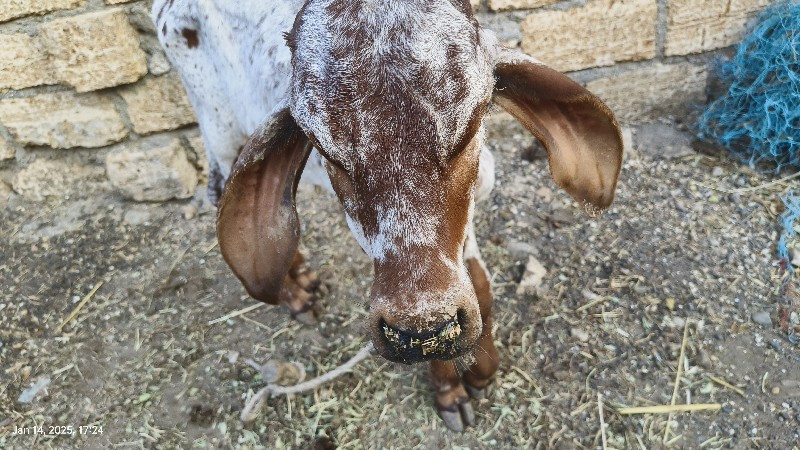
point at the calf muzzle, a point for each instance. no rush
(408, 347)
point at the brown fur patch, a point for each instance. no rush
(192, 40)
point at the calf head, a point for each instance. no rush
(393, 95)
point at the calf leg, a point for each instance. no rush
(298, 290)
(216, 182)
(452, 396)
(481, 373)
(452, 400)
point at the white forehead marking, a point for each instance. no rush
(405, 224)
(397, 228)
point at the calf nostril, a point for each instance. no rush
(461, 317)
(450, 332)
(395, 337)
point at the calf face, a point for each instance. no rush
(393, 95)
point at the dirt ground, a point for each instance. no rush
(141, 360)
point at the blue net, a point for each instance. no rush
(758, 120)
(788, 219)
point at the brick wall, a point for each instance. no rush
(89, 102)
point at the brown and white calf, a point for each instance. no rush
(382, 101)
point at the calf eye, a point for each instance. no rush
(327, 155)
(471, 129)
(334, 162)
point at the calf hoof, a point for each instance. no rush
(455, 409)
(458, 417)
(308, 316)
(477, 393)
(299, 301)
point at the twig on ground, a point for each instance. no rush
(80, 305)
(174, 265)
(253, 405)
(678, 374)
(211, 247)
(724, 383)
(669, 409)
(233, 314)
(602, 420)
(594, 300)
(256, 323)
(63, 369)
(529, 380)
(715, 441)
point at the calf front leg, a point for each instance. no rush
(452, 396)
(452, 400)
(216, 182)
(481, 373)
(298, 291)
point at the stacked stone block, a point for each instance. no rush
(88, 101)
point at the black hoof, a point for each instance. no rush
(457, 418)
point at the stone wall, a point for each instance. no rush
(90, 103)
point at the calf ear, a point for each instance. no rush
(579, 132)
(257, 225)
